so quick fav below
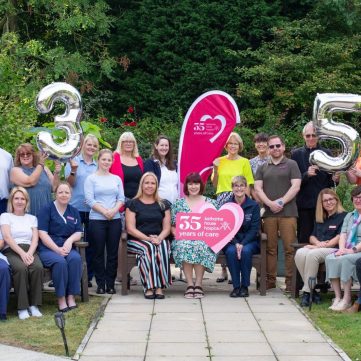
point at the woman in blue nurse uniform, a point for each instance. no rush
(59, 227)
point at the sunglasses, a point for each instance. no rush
(25, 155)
(275, 146)
(310, 136)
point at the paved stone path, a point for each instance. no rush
(216, 328)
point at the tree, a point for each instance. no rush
(47, 41)
(316, 54)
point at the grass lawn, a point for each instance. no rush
(41, 334)
(343, 329)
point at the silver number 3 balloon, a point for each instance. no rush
(69, 121)
(324, 106)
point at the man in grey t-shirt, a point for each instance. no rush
(277, 184)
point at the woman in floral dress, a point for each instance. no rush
(192, 254)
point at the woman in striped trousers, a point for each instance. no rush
(147, 220)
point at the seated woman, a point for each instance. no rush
(20, 232)
(59, 227)
(340, 266)
(245, 243)
(192, 254)
(147, 220)
(323, 240)
(5, 282)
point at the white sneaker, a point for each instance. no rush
(23, 314)
(342, 306)
(335, 302)
(34, 311)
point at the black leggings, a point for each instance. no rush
(105, 235)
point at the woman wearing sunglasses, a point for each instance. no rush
(31, 173)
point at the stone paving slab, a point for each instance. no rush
(128, 349)
(303, 349)
(244, 349)
(299, 336)
(122, 335)
(177, 349)
(236, 337)
(192, 335)
(244, 358)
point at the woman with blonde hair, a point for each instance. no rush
(147, 220)
(104, 194)
(224, 169)
(323, 240)
(20, 233)
(127, 164)
(76, 171)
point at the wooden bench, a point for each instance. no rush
(259, 262)
(297, 282)
(80, 246)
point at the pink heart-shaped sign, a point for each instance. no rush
(214, 227)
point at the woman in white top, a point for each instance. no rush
(20, 232)
(162, 164)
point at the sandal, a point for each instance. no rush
(221, 279)
(189, 293)
(199, 293)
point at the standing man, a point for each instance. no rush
(6, 163)
(277, 184)
(313, 181)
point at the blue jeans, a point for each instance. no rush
(243, 266)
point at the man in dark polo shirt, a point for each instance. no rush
(277, 184)
(313, 181)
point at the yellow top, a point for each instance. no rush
(228, 168)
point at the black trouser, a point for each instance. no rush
(305, 224)
(89, 251)
(358, 271)
(105, 234)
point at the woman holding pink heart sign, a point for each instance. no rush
(245, 243)
(192, 255)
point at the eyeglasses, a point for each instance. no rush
(329, 200)
(236, 144)
(275, 146)
(310, 136)
(25, 155)
(128, 141)
(239, 186)
(357, 198)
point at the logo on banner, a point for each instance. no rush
(206, 128)
(214, 227)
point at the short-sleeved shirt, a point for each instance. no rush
(21, 227)
(330, 227)
(347, 225)
(229, 168)
(83, 171)
(148, 217)
(257, 162)
(276, 183)
(59, 226)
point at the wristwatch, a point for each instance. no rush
(73, 173)
(354, 249)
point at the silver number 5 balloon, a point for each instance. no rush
(324, 106)
(69, 121)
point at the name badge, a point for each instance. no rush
(332, 227)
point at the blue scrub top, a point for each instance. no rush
(59, 227)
